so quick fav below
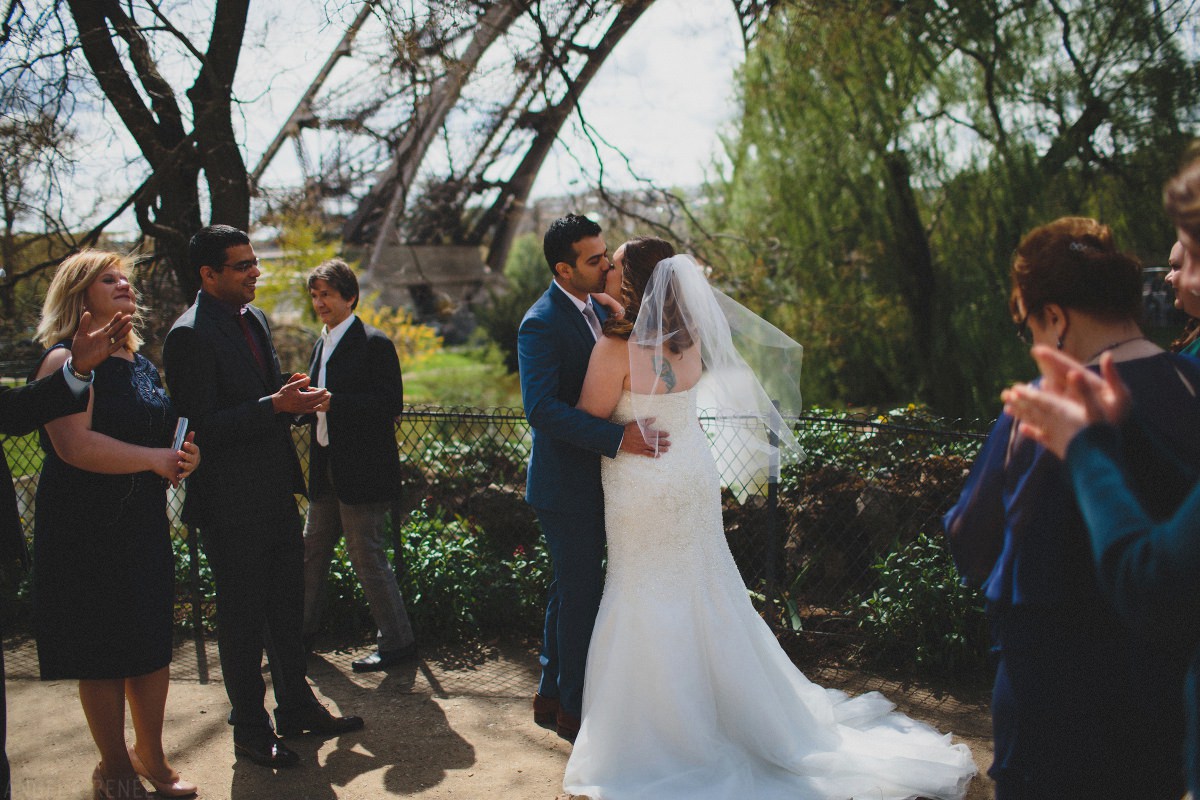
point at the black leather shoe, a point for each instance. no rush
(382, 659)
(266, 750)
(314, 719)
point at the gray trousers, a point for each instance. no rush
(363, 526)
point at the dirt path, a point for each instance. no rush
(456, 725)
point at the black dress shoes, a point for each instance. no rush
(314, 719)
(382, 659)
(266, 750)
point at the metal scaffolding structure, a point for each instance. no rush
(432, 120)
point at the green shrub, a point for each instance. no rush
(183, 587)
(454, 587)
(527, 276)
(465, 375)
(920, 617)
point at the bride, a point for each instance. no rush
(688, 694)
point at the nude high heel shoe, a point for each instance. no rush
(105, 788)
(177, 787)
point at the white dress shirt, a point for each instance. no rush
(593, 321)
(329, 342)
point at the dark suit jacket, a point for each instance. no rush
(554, 345)
(249, 468)
(363, 378)
(22, 409)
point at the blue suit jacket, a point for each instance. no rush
(554, 344)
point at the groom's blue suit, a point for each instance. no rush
(554, 344)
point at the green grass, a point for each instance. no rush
(462, 376)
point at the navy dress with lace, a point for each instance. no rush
(103, 579)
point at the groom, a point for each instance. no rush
(554, 344)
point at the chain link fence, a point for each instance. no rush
(805, 546)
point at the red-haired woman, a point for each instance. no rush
(1083, 704)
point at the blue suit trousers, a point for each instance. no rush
(576, 544)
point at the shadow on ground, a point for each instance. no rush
(456, 723)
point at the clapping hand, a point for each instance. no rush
(1070, 398)
(1105, 396)
(90, 347)
(295, 397)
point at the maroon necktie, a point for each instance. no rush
(255, 347)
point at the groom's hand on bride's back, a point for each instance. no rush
(647, 442)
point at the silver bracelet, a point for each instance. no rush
(85, 377)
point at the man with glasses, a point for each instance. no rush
(224, 376)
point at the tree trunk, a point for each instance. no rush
(167, 206)
(918, 286)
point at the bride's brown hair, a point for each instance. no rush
(642, 254)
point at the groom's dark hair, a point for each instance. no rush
(564, 232)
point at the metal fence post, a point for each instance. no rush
(772, 525)
(197, 599)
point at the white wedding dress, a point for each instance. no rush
(688, 695)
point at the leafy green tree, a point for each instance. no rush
(283, 286)
(527, 277)
(890, 155)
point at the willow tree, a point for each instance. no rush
(889, 156)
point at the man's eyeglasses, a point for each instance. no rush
(242, 266)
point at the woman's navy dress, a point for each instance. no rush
(103, 572)
(1084, 705)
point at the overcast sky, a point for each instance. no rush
(661, 97)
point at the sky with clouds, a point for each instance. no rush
(661, 99)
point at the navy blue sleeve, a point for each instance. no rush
(975, 525)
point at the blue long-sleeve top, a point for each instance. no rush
(1017, 530)
(1149, 570)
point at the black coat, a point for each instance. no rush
(249, 469)
(22, 409)
(367, 394)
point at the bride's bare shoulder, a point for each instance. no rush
(612, 347)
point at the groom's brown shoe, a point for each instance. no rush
(567, 726)
(545, 710)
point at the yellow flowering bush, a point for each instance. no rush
(414, 342)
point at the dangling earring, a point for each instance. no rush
(1066, 327)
